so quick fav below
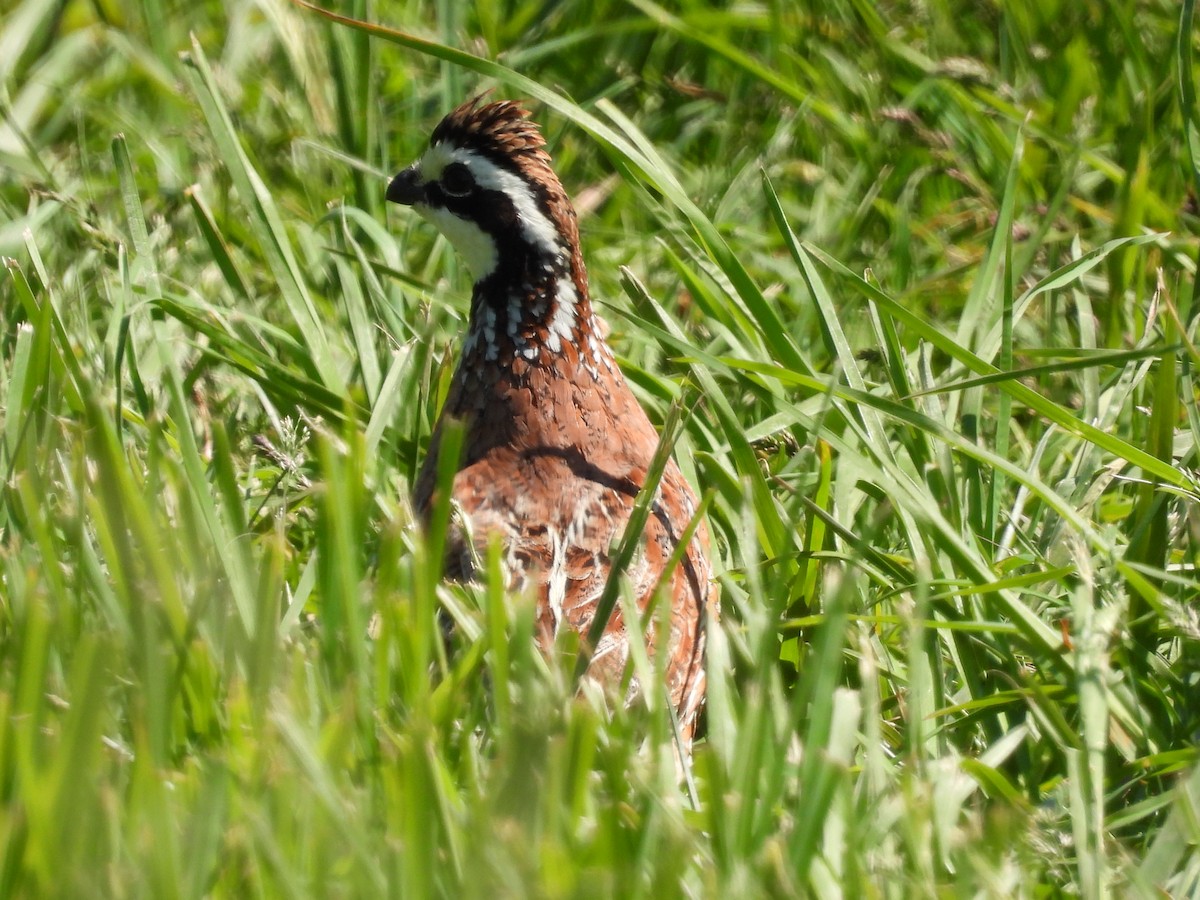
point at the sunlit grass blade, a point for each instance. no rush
(265, 218)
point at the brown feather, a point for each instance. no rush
(556, 444)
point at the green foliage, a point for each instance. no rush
(918, 312)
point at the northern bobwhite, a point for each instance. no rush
(556, 446)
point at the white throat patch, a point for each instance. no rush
(475, 245)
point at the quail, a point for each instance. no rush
(555, 445)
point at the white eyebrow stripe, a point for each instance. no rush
(536, 226)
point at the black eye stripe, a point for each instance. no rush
(489, 209)
(457, 180)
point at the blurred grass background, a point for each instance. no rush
(920, 278)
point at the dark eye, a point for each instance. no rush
(457, 180)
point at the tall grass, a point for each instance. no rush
(918, 284)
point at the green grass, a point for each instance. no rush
(918, 283)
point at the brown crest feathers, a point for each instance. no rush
(501, 130)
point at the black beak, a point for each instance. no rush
(406, 188)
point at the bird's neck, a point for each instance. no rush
(532, 313)
(536, 374)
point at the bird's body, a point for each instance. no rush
(556, 446)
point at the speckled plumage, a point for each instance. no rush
(556, 445)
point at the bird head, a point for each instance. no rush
(486, 182)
